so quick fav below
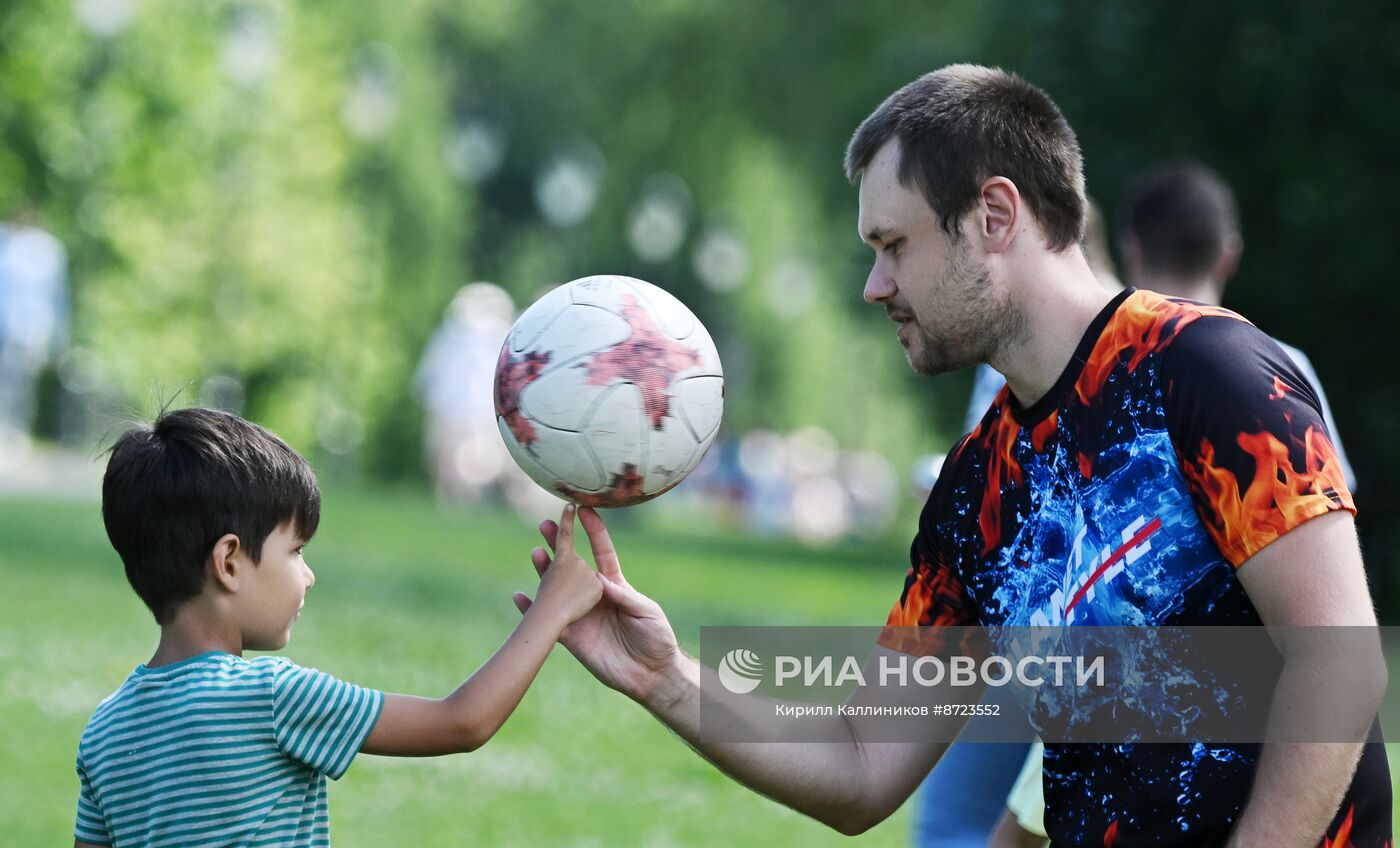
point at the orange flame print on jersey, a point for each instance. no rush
(1277, 499)
(1003, 471)
(1143, 325)
(1343, 839)
(918, 597)
(1110, 836)
(932, 617)
(933, 597)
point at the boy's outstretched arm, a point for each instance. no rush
(410, 726)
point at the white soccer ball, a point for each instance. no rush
(608, 391)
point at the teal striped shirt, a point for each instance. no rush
(219, 750)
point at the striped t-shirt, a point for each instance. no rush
(219, 750)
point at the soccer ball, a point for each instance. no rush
(608, 391)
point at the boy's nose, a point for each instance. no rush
(310, 577)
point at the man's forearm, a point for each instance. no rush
(1296, 794)
(1299, 785)
(845, 784)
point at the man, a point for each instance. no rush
(972, 197)
(454, 382)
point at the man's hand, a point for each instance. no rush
(625, 640)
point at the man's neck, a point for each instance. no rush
(1058, 308)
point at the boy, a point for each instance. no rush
(210, 515)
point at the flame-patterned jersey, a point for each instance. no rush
(1179, 441)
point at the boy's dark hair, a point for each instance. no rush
(963, 124)
(173, 488)
(1181, 214)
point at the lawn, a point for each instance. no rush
(412, 598)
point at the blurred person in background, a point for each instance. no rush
(33, 321)
(455, 379)
(1022, 824)
(1179, 235)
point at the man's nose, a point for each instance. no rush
(878, 286)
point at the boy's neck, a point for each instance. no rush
(192, 632)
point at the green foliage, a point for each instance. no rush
(219, 227)
(227, 227)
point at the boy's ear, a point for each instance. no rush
(226, 561)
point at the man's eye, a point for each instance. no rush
(893, 247)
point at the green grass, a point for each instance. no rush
(412, 598)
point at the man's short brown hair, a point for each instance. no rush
(963, 124)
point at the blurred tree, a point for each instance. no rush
(289, 195)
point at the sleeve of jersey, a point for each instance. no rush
(1249, 433)
(933, 596)
(319, 720)
(91, 826)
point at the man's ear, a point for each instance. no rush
(1131, 249)
(1001, 214)
(1229, 260)
(226, 562)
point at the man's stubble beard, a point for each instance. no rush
(988, 321)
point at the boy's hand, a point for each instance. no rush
(569, 588)
(625, 640)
